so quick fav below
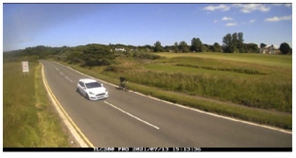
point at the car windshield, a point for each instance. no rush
(93, 85)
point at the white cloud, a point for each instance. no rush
(220, 7)
(225, 18)
(231, 24)
(288, 5)
(276, 18)
(215, 21)
(252, 21)
(248, 8)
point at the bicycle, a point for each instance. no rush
(123, 86)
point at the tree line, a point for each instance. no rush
(183, 47)
(232, 43)
(100, 54)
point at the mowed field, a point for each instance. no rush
(237, 85)
(264, 59)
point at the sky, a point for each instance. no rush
(28, 25)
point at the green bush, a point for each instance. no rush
(145, 55)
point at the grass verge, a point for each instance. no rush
(281, 120)
(29, 119)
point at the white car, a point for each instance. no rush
(91, 89)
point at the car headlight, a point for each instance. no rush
(91, 93)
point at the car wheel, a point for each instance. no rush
(77, 90)
(86, 96)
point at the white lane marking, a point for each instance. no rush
(63, 75)
(196, 110)
(53, 65)
(220, 116)
(135, 117)
(68, 79)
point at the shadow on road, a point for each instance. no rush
(117, 88)
(77, 91)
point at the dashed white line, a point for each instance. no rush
(68, 79)
(53, 65)
(135, 117)
(64, 75)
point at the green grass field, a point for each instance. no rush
(246, 83)
(263, 59)
(29, 119)
(262, 92)
(190, 70)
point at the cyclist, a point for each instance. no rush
(123, 80)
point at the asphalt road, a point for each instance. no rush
(127, 119)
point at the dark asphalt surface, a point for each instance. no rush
(106, 126)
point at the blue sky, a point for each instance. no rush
(26, 25)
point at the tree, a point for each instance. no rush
(148, 48)
(193, 45)
(285, 48)
(196, 45)
(210, 48)
(262, 45)
(183, 47)
(251, 48)
(157, 47)
(240, 44)
(176, 47)
(217, 47)
(204, 48)
(234, 44)
(227, 43)
(169, 48)
(74, 57)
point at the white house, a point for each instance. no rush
(268, 50)
(120, 49)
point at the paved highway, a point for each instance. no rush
(127, 119)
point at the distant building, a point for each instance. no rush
(269, 50)
(120, 49)
(133, 50)
(277, 51)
